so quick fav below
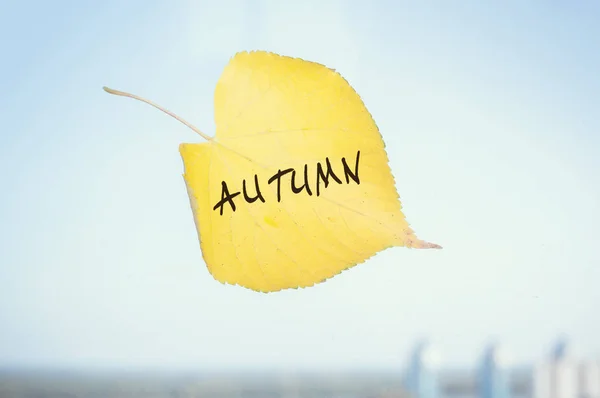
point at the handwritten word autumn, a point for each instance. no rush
(323, 174)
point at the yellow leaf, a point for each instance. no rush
(295, 186)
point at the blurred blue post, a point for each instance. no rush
(494, 377)
(421, 377)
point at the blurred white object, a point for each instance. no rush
(430, 357)
(589, 379)
(557, 377)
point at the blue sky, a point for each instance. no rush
(490, 118)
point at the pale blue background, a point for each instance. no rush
(490, 112)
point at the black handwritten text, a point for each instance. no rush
(299, 182)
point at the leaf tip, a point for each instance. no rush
(421, 244)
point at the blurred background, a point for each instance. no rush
(491, 117)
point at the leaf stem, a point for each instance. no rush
(191, 126)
